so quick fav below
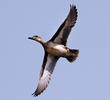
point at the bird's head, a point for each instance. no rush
(36, 38)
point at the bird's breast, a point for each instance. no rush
(56, 49)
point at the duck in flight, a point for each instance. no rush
(56, 48)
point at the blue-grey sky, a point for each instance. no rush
(88, 78)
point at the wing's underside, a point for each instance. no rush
(45, 74)
(64, 30)
(49, 61)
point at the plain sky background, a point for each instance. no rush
(88, 78)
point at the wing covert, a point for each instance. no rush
(64, 30)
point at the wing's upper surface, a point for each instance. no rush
(46, 71)
(64, 30)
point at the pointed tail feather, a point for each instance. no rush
(74, 55)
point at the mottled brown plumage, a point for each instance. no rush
(56, 48)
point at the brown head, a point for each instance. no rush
(37, 38)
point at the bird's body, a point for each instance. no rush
(56, 48)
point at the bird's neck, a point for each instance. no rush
(41, 42)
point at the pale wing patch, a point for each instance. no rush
(45, 78)
(43, 83)
(51, 62)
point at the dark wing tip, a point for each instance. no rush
(73, 14)
(36, 94)
(43, 83)
(73, 9)
(72, 6)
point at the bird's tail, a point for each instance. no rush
(73, 56)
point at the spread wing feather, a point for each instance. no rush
(64, 30)
(46, 71)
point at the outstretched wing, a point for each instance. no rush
(43, 64)
(64, 30)
(46, 71)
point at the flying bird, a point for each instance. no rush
(56, 48)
